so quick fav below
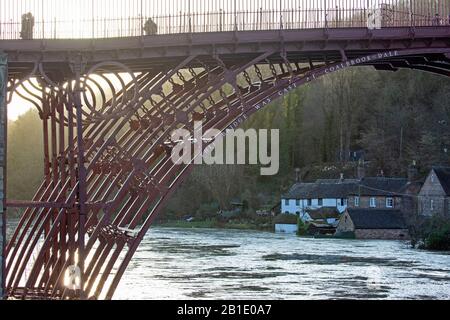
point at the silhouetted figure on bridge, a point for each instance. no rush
(436, 20)
(150, 27)
(27, 26)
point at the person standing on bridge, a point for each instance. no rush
(150, 27)
(27, 26)
(436, 20)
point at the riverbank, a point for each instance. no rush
(216, 224)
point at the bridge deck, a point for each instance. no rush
(150, 52)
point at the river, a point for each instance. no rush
(229, 264)
(232, 264)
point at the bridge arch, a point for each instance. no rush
(100, 186)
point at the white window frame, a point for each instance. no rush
(388, 200)
(432, 204)
(297, 202)
(373, 202)
(357, 201)
(286, 202)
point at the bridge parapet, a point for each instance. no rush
(89, 19)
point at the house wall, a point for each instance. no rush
(410, 205)
(3, 77)
(345, 224)
(364, 202)
(432, 190)
(286, 228)
(382, 234)
(291, 206)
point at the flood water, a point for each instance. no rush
(228, 264)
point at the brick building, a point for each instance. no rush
(378, 193)
(434, 196)
(385, 224)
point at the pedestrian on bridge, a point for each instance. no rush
(27, 26)
(436, 20)
(150, 27)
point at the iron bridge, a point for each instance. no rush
(109, 93)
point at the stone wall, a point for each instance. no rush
(432, 191)
(3, 70)
(345, 224)
(382, 234)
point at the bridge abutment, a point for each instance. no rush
(3, 122)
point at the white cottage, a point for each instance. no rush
(323, 193)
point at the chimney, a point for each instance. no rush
(361, 170)
(412, 172)
(297, 175)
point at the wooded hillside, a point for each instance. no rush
(394, 118)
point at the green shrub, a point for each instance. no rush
(302, 228)
(433, 234)
(439, 239)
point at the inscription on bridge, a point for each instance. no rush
(318, 73)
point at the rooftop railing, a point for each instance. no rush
(70, 19)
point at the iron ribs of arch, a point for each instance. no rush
(108, 168)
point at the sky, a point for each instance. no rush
(18, 107)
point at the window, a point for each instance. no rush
(286, 202)
(432, 204)
(356, 201)
(309, 202)
(320, 202)
(341, 202)
(373, 202)
(297, 202)
(389, 202)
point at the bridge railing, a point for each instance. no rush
(70, 19)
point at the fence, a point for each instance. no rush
(71, 19)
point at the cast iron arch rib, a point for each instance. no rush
(130, 175)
